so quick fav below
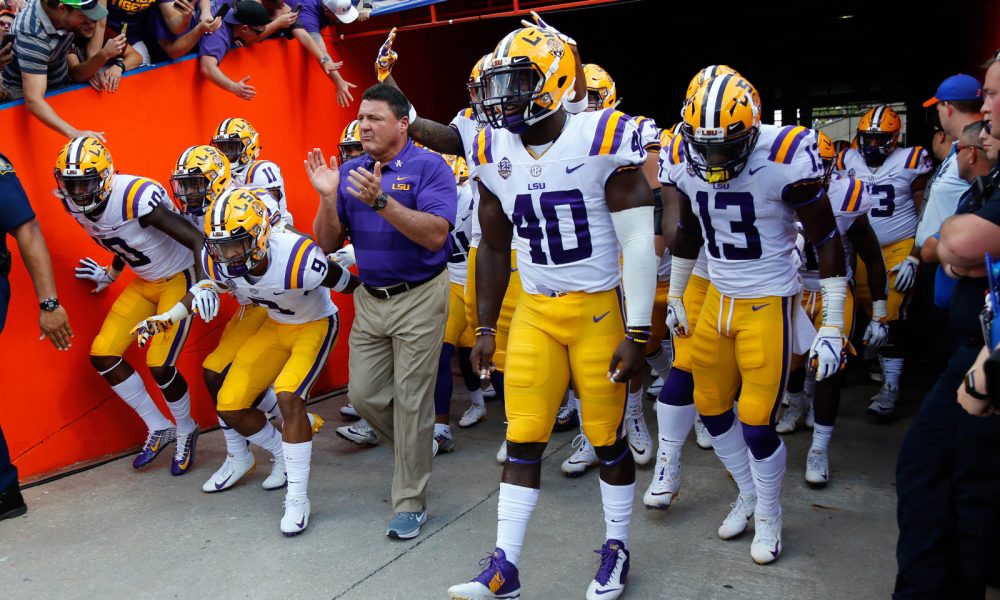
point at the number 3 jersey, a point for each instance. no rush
(747, 223)
(894, 213)
(849, 201)
(290, 287)
(149, 252)
(564, 236)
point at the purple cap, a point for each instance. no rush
(957, 88)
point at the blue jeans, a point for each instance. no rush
(948, 492)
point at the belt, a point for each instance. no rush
(387, 292)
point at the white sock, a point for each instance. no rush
(236, 444)
(767, 477)
(269, 404)
(617, 501)
(735, 456)
(181, 409)
(635, 402)
(442, 428)
(892, 368)
(572, 401)
(476, 397)
(821, 436)
(674, 424)
(269, 439)
(514, 510)
(297, 457)
(134, 393)
(662, 359)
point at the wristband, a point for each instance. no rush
(178, 313)
(485, 331)
(345, 279)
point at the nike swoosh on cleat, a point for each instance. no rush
(636, 450)
(757, 307)
(301, 523)
(598, 319)
(571, 169)
(219, 486)
(602, 592)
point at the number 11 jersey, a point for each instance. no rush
(563, 233)
(747, 223)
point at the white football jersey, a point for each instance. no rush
(849, 200)
(266, 174)
(563, 233)
(148, 251)
(894, 214)
(748, 226)
(468, 128)
(649, 133)
(458, 263)
(672, 166)
(290, 287)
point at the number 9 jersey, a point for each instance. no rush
(747, 223)
(288, 288)
(149, 252)
(564, 236)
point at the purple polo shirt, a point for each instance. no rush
(418, 179)
(217, 43)
(161, 32)
(312, 17)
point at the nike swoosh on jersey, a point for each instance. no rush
(598, 319)
(571, 169)
(757, 307)
(513, 270)
(402, 178)
(752, 171)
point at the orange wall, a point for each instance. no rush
(55, 410)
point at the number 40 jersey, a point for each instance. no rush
(149, 252)
(748, 226)
(564, 236)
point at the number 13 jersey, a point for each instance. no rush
(747, 224)
(149, 252)
(290, 287)
(563, 233)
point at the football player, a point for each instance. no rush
(133, 218)
(850, 204)
(201, 176)
(281, 271)
(240, 143)
(572, 188)
(741, 190)
(895, 178)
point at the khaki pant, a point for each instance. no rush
(395, 348)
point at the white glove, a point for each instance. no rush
(677, 319)
(877, 332)
(344, 257)
(102, 276)
(206, 299)
(827, 355)
(799, 254)
(906, 273)
(386, 58)
(540, 24)
(147, 328)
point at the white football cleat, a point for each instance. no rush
(231, 471)
(701, 436)
(475, 414)
(360, 433)
(296, 517)
(489, 392)
(666, 482)
(639, 440)
(766, 546)
(348, 411)
(502, 453)
(739, 517)
(884, 402)
(581, 460)
(278, 478)
(817, 467)
(794, 413)
(655, 387)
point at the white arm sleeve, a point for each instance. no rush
(634, 229)
(574, 107)
(680, 274)
(834, 292)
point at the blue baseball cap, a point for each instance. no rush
(957, 88)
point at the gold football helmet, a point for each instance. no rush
(475, 87)
(202, 174)
(878, 132)
(708, 73)
(528, 79)
(827, 153)
(720, 128)
(458, 166)
(350, 142)
(83, 173)
(237, 230)
(238, 141)
(601, 91)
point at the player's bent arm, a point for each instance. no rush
(181, 230)
(917, 188)
(339, 279)
(492, 257)
(671, 198)
(687, 239)
(865, 242)
(966, 238)
(631, 204)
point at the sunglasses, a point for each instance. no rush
(960, 147)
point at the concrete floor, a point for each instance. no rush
(112, 532)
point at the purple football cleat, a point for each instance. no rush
(156, 442)
(498, 579)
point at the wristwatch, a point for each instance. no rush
(970, 387)
(325, 60)
(48, 304)
(381, 201)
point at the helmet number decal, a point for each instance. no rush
(531, 228)
(744, 225)
(885, 195)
